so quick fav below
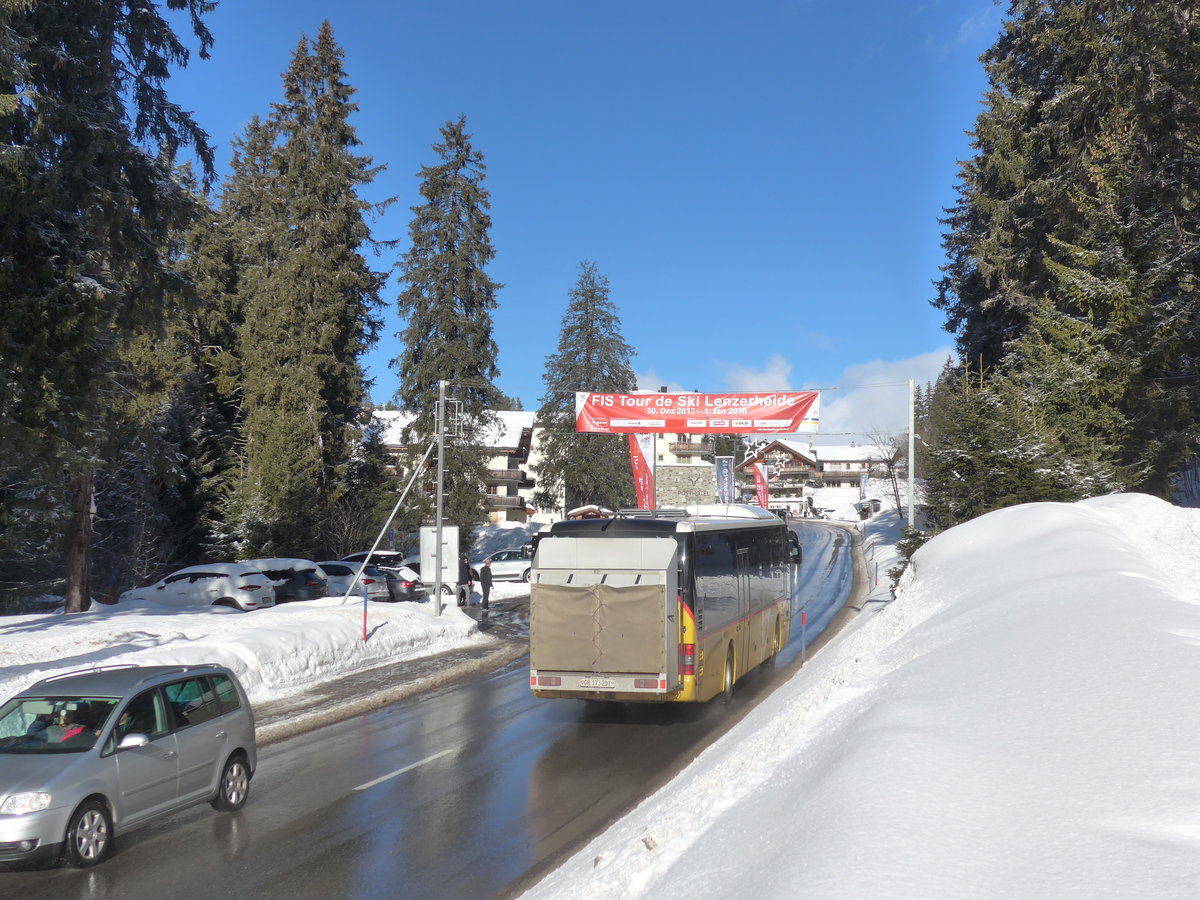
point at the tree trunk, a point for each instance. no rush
(79, 545)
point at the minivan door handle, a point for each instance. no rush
(170, 754)
(219, 735)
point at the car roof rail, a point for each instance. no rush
(89, 671)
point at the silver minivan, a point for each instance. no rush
(87, 755)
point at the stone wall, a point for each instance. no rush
(676, 486)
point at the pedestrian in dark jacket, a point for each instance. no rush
(463, 588)
(485, 582)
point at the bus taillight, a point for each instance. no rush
(689, 659)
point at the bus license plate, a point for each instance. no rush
(604, 683)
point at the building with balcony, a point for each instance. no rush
(507, 445)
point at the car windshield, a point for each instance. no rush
(53, 724)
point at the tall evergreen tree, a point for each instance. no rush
(87, 218)
(592, 356)
(1077, 231)
(309, 305)
(447, 302)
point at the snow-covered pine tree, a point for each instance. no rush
(447, 303)
(88, 209)
(592, 356)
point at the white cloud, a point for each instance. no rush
(650, 381)
(872, 398)
(775, 377)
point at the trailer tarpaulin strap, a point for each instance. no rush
(777, 412)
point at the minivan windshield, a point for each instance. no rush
(53, 724)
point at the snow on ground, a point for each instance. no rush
(276, 653)
(1019, 722)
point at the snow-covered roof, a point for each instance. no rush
(507, 432)
(852, 453)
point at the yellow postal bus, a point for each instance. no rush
(659, 605)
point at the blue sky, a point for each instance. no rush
(759, 181)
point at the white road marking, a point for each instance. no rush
(408, 768)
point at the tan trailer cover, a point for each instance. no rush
(604, 605)
(597, 628)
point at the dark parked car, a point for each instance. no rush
(294, 579)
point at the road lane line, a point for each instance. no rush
(408, 768)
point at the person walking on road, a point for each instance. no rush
(485, 582)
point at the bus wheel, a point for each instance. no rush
(770, 660)
(727, 685)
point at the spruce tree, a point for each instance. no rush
(1077, 233)
(89, 200)
(592, 356)
(447, 302)
(309, 305)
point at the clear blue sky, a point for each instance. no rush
(759, 181)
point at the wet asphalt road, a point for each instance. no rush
(470, 789)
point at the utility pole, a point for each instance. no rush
(441, 472)
(912, 460)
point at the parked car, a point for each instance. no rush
(507, 565)
(341, 578)
(293, 579)
(86, 756)
(404, 583)
(403, 570)
(447, 588)
(213, 584)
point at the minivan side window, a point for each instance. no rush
(226, 693)
(144, 714)
(192, 701)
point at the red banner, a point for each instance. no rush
(760, 485)
(778, 412)
(641, 452)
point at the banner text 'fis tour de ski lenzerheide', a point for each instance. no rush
(773, 412)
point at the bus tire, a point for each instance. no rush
(770, 660)
(727, 683)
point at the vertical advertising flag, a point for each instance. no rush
(641, 452)
(760, 484)
(724, 479)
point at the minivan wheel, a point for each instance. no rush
(234, 786)
(525, 575)
(89, 835)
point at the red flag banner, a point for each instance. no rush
(641, 452)
(777, 412)
(760, 485)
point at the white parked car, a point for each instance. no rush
(507, 565)
(341, 576)
(212, 584)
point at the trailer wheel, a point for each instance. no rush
(727, 684)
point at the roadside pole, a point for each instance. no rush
(441, 472)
